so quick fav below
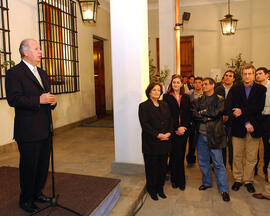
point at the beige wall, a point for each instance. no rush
(71, 107)
(212, 49)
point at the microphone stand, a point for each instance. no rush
(54, 203)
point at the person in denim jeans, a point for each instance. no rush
(207, 113)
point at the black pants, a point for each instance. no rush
(265, 138)
(155, 172)
(178, 159)
(34, 165)
(266, 125)
(192, 140)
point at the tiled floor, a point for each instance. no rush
(193, 202)
(90, 151)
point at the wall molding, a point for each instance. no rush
(13, 145)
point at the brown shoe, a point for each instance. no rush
(259, 196)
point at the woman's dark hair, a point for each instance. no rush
(151, 86)
(170, 88)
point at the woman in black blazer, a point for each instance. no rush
(156, 123)
(179, 104)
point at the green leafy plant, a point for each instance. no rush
(5, 64)
(152, 68)
(156, 76)
(237, 64)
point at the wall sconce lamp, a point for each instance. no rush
(185, 18)
(88, 10)
(228, 24)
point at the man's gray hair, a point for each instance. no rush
(24, 46)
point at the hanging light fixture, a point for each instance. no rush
(228, 24)
(88, 10)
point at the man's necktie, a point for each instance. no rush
(38, 77)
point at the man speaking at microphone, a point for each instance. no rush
(28, 91)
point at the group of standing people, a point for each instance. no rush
(212, 117)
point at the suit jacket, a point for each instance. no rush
(154, 121)
(33, 120)
(251, 109)
(183, 111)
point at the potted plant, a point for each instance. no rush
(237, 65)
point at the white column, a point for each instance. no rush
(167, 36)
(129, 39)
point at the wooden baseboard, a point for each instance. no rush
(13, 145)
(74, 124)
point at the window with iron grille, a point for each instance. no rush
(5, 54)
(59, 44)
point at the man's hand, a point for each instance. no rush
(47, 98)
(168, 135)
(180, 131)
(249, 128)
(237, 112)
(163, 137)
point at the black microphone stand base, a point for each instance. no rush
(54, 203)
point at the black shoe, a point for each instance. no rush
(182, 187)
(42, 199)
(29, 207)
(203, 187)
(236, 186)
(250, 188)
(225, 196)
(153, 196)
(174, 185)
(162, 195)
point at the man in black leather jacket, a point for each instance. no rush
(207, 113)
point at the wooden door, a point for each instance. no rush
(187, 55)
(99, 78)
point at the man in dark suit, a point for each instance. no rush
(28, 91)
(246, 103)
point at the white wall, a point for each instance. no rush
(212, 50)
(24, 24)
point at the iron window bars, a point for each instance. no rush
(59, 44)
(5, 54)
